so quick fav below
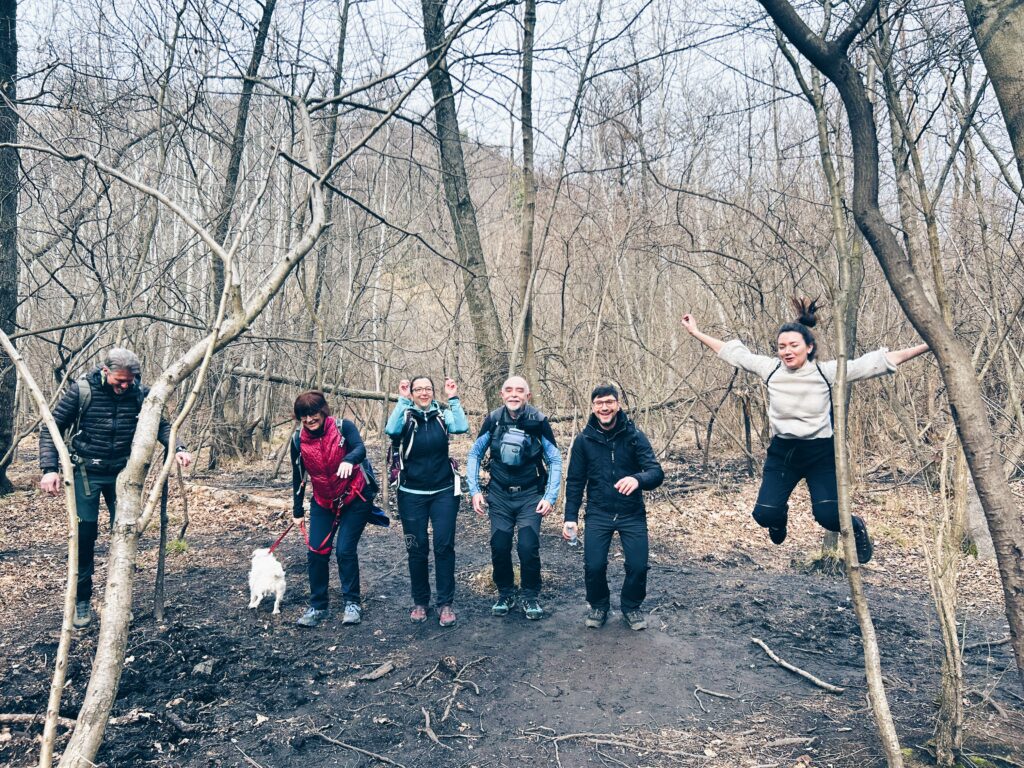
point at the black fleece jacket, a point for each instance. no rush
(600, 458)
(107, 428)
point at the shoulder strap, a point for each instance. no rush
(84, 395)
(831, 404)
(774, 371)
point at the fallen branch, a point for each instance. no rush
(384, 669)
(796, 670)
(716, 694)
(367, 753)
(986, 644)
(181, 725)
(248, 759)
(792, 741)
(428, 730)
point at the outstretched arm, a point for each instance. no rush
(902, 355)
(690, 326)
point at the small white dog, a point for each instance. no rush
(266, 577)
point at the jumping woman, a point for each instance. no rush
(800, 418)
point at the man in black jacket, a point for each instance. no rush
(614, 461)
(102, 423)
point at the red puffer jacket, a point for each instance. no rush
(321, 457)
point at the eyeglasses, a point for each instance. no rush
(603, 403)
(419, 390)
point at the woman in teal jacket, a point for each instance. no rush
(428, 488)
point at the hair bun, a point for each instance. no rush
(806, 311)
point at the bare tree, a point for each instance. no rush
(10, 185)
(963, 389)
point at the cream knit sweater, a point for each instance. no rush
(799, 405)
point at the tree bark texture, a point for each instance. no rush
(963, 389)
(998, 27)
(490, 344)
(9, 188)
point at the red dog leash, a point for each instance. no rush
(281, 537)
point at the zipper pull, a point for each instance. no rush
(613, 455)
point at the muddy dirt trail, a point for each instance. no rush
(219, 685)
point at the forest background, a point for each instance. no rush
(353, 192)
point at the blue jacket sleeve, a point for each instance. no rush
(455, 418)
(397, 418)
(355, 451)
(554, 461)
(476, 455)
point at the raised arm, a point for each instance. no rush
(900, 356)
(690, 326)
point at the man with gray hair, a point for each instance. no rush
(520, 493)
(98, 415)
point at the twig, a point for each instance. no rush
(428, 730)
(539, 690)
(792, 741)
(373, 755)
(716, 694)
(699, 702)
(180, 724)
(986, 644)
(796, 670)
(432, 671)
(248, 759)
(451, 700)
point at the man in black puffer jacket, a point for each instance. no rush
(103, 426)
(614, 461)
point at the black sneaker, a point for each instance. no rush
(777, 535)
(312, 617)
(83, 615)
(864, 547)
(596, 618)
(505, 604)
(635, 619)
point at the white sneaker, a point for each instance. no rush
(353, 614)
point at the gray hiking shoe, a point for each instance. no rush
(505, 604)
(83, 615)
(353, 614)
(635, 619)
(312, 617)
(532, 609)
(864, 547)
(596, 618)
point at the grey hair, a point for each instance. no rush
(119, 359)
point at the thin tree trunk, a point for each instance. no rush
(71, 588)
(997, 26)
(962, 386)
(10, 186)
(528, 216)
(491, 350)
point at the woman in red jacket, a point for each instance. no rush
(330, 453)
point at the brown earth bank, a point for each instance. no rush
(217, 684)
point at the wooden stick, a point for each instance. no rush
(248, 759)
(714, 693)
(796, 670)
(430, 731)
(432, 671)
(373, 755)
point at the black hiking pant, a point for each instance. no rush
(632, 530)
(790, 461)
(438, 510)
(508, 511)
(90, 487)
(350, 528)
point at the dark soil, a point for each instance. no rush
(497, 690)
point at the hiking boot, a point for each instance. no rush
(83, 615)
(312, 617)
(777, 535)
(596, 618)
(635, 619)
(505, 604)
(447, 618)
(864, 547)
(353, 614)
(418, 614)
(532, 609)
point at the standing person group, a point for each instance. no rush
(611, 462)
